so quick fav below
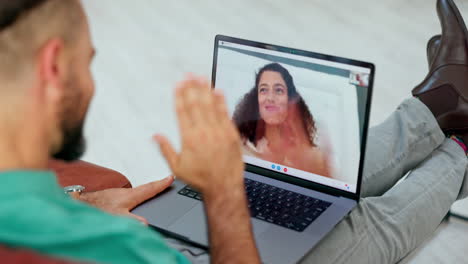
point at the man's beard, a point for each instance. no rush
(74, 144)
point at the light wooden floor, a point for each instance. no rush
(146, 46)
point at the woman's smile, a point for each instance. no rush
(272, 108)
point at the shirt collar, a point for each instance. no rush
(24, 181)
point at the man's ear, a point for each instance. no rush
(52, 69)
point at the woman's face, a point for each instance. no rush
(272, 98)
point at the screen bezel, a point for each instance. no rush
(290, 178)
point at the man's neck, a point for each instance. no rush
(23, 145)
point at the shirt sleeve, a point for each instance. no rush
(72, 230)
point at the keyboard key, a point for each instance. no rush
(285, 217)
(190, 188)
(295, 213)
(183, 191)
(298, 228)
(275, 205)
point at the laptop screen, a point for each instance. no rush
(298, 114)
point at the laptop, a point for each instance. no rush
(303, 119)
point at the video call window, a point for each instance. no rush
(301, 116)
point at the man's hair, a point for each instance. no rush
(26, 25)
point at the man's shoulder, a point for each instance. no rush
(90, 234)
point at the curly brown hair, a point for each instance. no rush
(247, 115)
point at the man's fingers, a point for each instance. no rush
(183, 114)
(137, 217)
(197, 97)
(207, 101)
(189, 97)
(167, 151)
(221, 109)
(149, 190)
(222, 114)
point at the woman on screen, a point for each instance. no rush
(276, 125)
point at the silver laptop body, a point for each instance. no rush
(292, 207)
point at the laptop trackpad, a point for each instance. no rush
(192, 225)
(259, 227)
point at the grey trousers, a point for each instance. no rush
(393, 219)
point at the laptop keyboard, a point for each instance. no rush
(275, 205)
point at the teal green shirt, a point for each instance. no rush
(35, 213)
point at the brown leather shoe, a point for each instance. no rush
(445, 88)
(432, 47)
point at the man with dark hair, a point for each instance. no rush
(45, 54)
